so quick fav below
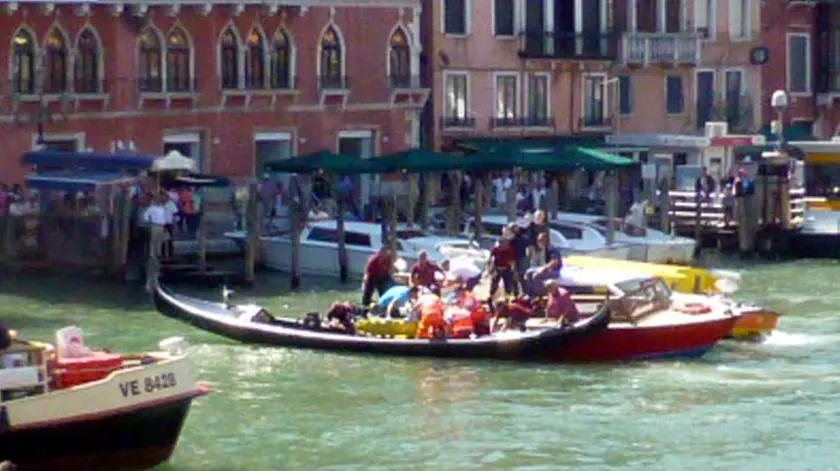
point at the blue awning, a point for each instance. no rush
(92, 161)
(74, 181)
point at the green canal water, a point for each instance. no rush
(770, 406)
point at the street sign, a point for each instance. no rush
(737, 141)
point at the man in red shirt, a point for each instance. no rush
(377, 275)
(423, 272)
(503, 266)
(560, 304)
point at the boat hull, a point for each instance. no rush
(755, 323)
(135, 439)
(224, 321)
(622, 342)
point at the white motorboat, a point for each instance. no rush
(646, 245)
(319, 247)
(568, 238)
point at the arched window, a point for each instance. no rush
(399, 59)
(23, 62)
(55, 76)
(86, 74)
(230, 60)
(178, 62)
(151, 74)
(332, 71)
(281, 56)
(255, 61)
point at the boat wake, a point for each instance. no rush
(791, 339)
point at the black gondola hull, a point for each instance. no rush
(222, 320)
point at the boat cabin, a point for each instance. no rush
(631, 296)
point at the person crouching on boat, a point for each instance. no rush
(397, 298)
(424, 271)
(515, 313)
(503, 266)
(341, 315)
(377, 275)
(547, 263)
(560, 305)
(432, 321)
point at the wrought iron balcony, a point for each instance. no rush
(333, 82)
(660, 48)
(538, 122)
(568, 45)
(457, 122)
(407, 82)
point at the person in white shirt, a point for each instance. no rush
(155, 216)
(501, 185)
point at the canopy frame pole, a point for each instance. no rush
(343, 270)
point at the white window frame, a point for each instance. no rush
(78, 137)
(711, 18)
(527, 93)
(682, 88)
(517, 21)
(468, 109)
(662, 15)
(271, 136)
(605, 104)
(746, 20)
(467, 19)
(517, 107)
(808, 72)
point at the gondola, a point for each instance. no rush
(237, 323)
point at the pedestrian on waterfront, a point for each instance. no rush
(377, 275)
(704, 186)
(171, 211)
(186, 198)
(156, 217)
(268, 196)
(501, 184)
(503, 266)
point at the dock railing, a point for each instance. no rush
(713, 212)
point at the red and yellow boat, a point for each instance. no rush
(754, 322)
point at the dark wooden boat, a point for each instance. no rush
(235, 322)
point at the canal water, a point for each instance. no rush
(770, 406)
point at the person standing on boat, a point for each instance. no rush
(424, 271)
(377, 275)
(156, 218)
(503, 266)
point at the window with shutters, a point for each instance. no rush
(739, 19)
(625, 95)
(504, 15)
(675, 103)
(799, 63)
(455, 16)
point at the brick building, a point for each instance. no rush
(231, 84)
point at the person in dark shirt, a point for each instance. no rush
(377, 275)
(547, 263)
(424, 271)
(521, 243)
(704, 186)
(503, 266)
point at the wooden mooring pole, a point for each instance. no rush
(298, 214)
(698, 225)
(343, 270)
(254, 222)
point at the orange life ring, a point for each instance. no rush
(695, 308)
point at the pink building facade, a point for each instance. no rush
(231, 84)
(635, 70)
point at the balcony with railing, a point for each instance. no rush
(660, 48)
(568, 45)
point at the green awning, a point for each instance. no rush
(419, 161)
(540, 155)
(798, 131)
(596, 160)
(324, 162)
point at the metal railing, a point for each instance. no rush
(405, 81)
(457, 122)
(647, 48)
(333, 82)
(568, 45)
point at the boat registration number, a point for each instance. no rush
(148, 384)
